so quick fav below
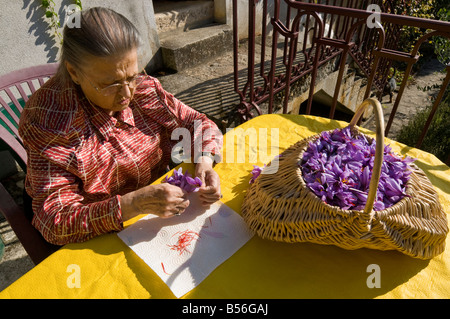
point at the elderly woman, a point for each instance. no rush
(99, 132)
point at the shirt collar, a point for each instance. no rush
(105, 123)
(126, 116)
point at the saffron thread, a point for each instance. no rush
(185, 239)
(164, 269)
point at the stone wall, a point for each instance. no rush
(26, 40)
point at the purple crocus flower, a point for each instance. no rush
(192, 184)
(185, 181)
(338, 165)
(255, 173)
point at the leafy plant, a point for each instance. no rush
(437, 139)
(427, 9)
(53, 17)
(441, 44)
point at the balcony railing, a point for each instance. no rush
(310, 35)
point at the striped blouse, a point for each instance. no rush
(81, 160)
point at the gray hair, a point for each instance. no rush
(102, 33)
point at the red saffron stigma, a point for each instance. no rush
(184, 240)
(162, 265)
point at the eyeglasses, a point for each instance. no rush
(115, 88)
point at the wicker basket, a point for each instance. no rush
(281, 207)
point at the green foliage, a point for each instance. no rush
(53, 17)
(437, 139)
(441, 44)
(427, 9)
(78, 3)
(50, 13)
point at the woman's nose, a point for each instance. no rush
(125, 91)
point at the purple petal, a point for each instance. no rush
(255, 173)
(184, 181)
(337, 168)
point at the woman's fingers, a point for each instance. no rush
(209, 195)
(176, 202)
(209, 192)
(164, 200)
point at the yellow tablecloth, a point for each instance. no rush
(261, 268)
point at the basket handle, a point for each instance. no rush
(379, 151)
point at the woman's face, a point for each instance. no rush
(100, 72)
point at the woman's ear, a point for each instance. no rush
(74, 74)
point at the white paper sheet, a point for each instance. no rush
(184, 250)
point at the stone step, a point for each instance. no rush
(183, 15)
(181, 50)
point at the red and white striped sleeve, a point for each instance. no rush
(204, 131)
(61, 213)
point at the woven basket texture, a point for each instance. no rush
(280, 207)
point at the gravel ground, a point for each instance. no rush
(413, 99)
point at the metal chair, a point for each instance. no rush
(15, 89)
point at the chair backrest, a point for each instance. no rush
(15, 89)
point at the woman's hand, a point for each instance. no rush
(163, 200)
(209, 192)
